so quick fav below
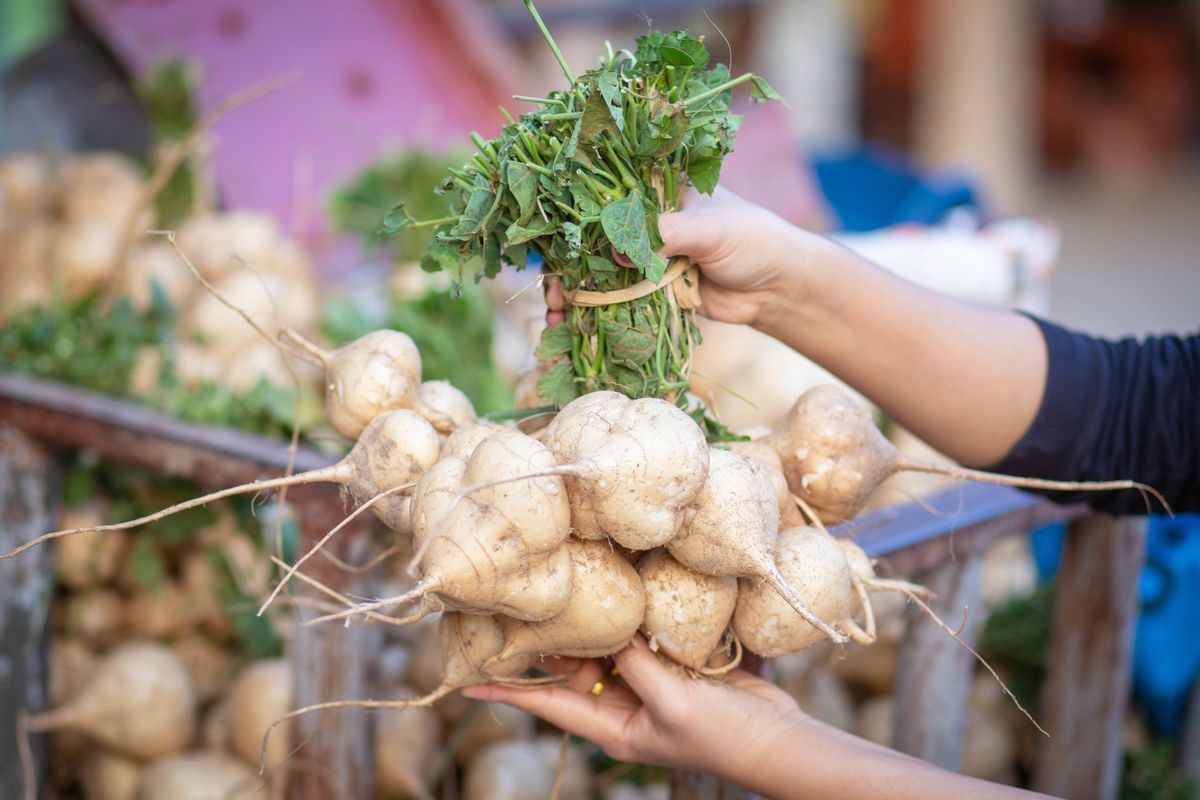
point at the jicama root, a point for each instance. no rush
(394, 450)
(834, 456)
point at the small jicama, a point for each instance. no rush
(261, 694)
(199, 776)
(406, 747)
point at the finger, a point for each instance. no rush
(649, 680)
(580, 714)
(552, 290)
(581, 674)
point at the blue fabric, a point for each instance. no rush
(870, 187)
(1166, 651)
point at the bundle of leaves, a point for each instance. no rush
(584, 178)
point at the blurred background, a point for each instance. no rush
(1038, 154)
(1080, 112)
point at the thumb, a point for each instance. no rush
(653, 683)
(684, 233)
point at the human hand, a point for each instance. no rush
(651, 715)
(747, 256)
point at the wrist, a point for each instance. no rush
(802, 290)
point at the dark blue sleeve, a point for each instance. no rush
(1115, 410)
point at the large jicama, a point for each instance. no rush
(261, 694)
(406, 747)
(498, 549)
(633, 466)
(138, 702)
(815, 566)
(526, 771)
(834, 456)
(602, 614)
(687, 612)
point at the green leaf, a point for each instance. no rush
(522, 183)
(584, 201)
(602, 268)
(609, 85)
(470, 222)
(573, 236)
(558, 384)
(627, 228)
(146, 563)
(628, 345)
(597, 119)
(681, 50)
(556, 341)
(761, 91)
(518, 233)
(656, 268)
(704, 173)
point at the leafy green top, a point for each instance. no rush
(583, 178)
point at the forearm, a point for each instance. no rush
(814, 760)
(966, 379)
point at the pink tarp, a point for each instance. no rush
(372, 76)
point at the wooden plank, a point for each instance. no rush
(1091, 652)
(29, 499)
(330, 662)
(933, 679)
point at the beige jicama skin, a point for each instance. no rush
(640, 463)
(687, 613)
(200, 776)
(82, 561)
(445, 406)
(526, 771)
(498, 549)
(602, 614)
(261, 694)
(464, 440)
(406, 747)
(733, 528)
(834, 457)
(138, 702)
(378, 372)
(105, 775)
(814, 564)
(768, 459)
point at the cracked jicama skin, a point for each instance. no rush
(815, 564)
(500, 548)
(640, 463)
(687, 613)
(602, 615)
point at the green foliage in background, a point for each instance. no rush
(453, 334)
(168, 97)
(359, 205)
(1016, 638)
(1152, 774)
(82, 343)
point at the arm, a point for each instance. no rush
(967, 379)
(743, 730)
